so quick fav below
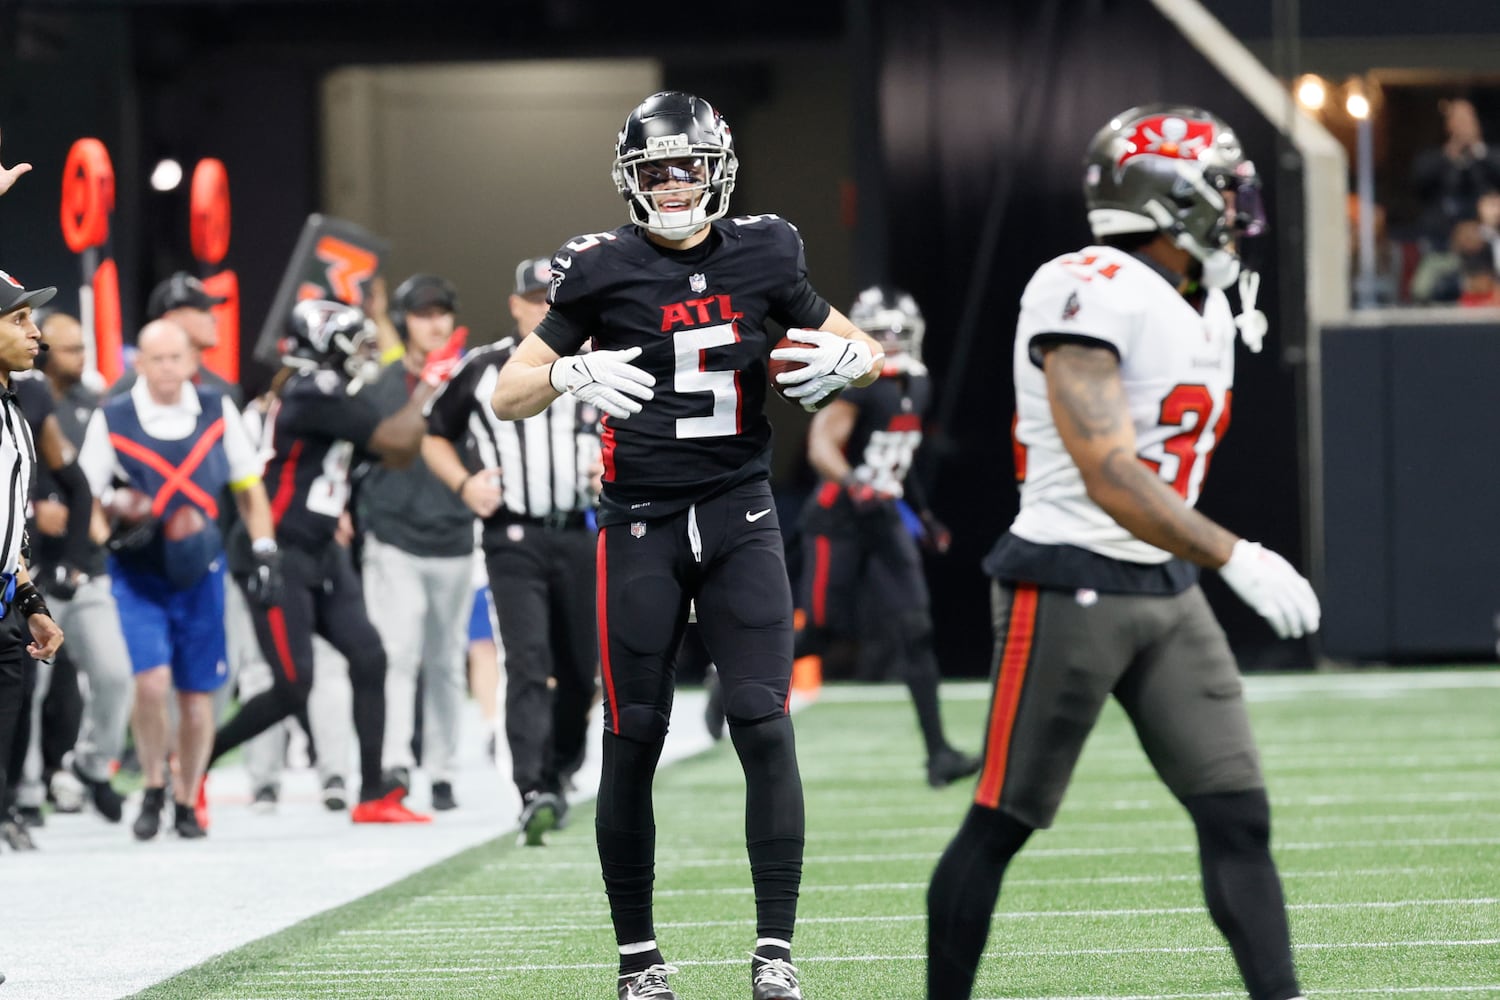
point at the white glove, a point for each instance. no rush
(829, 365)
(1252, 323)
(1276, 591)
(606, 379)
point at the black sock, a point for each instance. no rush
(625, 829)
(640, 962)
(922, 682)
(1242, 888)
(369, 727)
(773, 951)
(775, 825)
(254, 717)
(961, 899)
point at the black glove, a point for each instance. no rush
(265, 585)
(61, 581)
(132, 538)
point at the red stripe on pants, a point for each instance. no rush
(277, 621)
(821, 548)
(1014, 658)
(601, 592)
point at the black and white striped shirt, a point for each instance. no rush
(544, 460)
(17, 462)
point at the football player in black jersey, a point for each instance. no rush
(676, 305)
(316, 428)
(858, 555)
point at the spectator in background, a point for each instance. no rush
(184, 300)
(1439, 275)
(1489, 223)
(1388, 258)
(1480, 288)
(1450, 178)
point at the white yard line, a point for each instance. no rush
(93, 914)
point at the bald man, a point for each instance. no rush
(181, 445)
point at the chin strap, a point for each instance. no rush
(1251, 321)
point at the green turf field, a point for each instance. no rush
(1387, 808)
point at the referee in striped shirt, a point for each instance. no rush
(27, 631)
(534, 483)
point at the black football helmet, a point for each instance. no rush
(675, 136)
(1167, 168)
(419, 292)
(331, 335)
(890, 316)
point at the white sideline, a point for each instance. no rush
(95, 915)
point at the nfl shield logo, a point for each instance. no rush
(697, 282)
(637, 529)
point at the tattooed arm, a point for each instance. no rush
(1093, 418)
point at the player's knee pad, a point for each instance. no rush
(1232, 821)
(752, 702)
(641, 724)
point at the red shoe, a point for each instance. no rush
(387, 809)
(200, 806)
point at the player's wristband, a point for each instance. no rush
(29, 601)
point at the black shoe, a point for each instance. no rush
(948, 765)
(648, 984)
(31, 816)
(148, 823)
(713, 711)
(773, 979)
(335, 796)
(107, 802)
(538, 818)
(185, 822)
(442, 796)
(265, 799)
(13, 831)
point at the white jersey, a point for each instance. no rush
(1177, 367)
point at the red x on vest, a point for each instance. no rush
(179, 478)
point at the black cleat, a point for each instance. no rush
(335, 796)
(538, 818)
(13, 831)
(107, 802)
(185, 822)
(31, 816)
(265, 799)
(442, 796)
(948, 765)
(648, 984)
(773, 979)
(148, 823)
(713, 710)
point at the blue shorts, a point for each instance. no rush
(183, 629)
(481, 625)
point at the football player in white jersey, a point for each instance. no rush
(1124, 361)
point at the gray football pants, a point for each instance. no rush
(91, 622)
(420, 606)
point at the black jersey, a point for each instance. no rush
(700, 317)
(888, 430)
(544, 460)
(315, 431)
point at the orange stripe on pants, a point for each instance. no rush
(1014, 658)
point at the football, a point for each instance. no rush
(185, 521)
(128, 507)
(775, 367)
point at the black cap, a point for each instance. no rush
(181, 290)
(423, 291)
(13, 295)
(533, 275)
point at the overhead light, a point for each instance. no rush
(167, 175)
(1358, 106)
(1312, 93)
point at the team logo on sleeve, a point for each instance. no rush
(697, 282)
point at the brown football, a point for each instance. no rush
(775, 366)
(128, 506)
(185, 520)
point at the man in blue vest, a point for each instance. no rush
(181, 445)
